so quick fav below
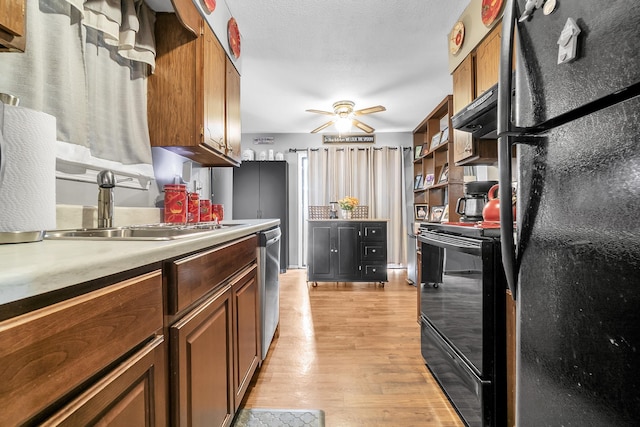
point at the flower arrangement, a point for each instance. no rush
(348, 203)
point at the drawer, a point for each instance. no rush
(49, 352)
(373, 251)
(374, 272)
(131, 394)
(469, 394)
(374, 231)
(190, 278)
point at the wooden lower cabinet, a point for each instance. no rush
(174, 346)
(201, 364)
(51, 355)
(133, 394)
(214, 354)
(245, 331)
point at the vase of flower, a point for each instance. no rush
(347, 205)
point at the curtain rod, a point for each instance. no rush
(295, 150)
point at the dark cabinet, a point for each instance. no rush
(260, 190)
(347, 251)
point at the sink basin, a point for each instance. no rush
(136, 232)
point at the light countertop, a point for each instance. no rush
(31, 269)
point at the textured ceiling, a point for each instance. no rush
(301, 54)
(307, 54)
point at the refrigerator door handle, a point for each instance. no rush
(505, 143)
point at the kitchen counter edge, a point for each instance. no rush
(31, 269)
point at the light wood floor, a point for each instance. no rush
(352, 350)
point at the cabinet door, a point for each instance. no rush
(214, 75)
(463, 93)
(246, 191)
(233, 124)
(320, 251)
(133, 394)
(488, 60)
(273, 190)
(202, 364)
(245, 333)
(274, 201)
(345, 256)
(12, 34)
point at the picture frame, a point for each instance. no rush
(435, 140)
(444, 174)
(429, 179)
(425, 149)
(418, 152)
(435, 215)
(445, 214)
(421, 212)
(444, 136)
(417, 184)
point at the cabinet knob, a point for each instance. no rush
(373, 250)
(373, 269)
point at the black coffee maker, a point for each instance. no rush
(470, 206)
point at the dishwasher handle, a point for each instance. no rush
(269, 237)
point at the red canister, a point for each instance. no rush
(175, 203)
(193, 212)
(205, 210)
(217, 212)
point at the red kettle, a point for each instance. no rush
(491, 209)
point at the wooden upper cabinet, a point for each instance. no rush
(234, 130)
(488, 60)
(187, 93)
(214, 75)
(12, 26)
(463, 94)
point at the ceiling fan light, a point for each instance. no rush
(343, 124)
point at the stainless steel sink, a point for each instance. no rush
(136, 232)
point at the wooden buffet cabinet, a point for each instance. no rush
(176, 343)
(194, 95)
(432, 161)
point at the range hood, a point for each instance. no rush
(480, 117)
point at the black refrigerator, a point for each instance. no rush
(260, 190)
(574, 261)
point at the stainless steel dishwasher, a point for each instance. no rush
(269, 285)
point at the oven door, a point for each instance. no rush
(458, 300)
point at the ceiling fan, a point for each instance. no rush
(344, 116)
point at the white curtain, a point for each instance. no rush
(373, 175)
(86, 63)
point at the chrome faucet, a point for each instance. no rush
(106, 182)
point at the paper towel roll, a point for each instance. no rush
(28, 174)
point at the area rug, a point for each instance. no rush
(253, 417)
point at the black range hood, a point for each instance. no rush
(479, 117)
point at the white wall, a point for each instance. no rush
(167, 167)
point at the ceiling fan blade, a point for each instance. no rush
(369, 110)
(319, 128)
(362, 126)
(321, 112)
